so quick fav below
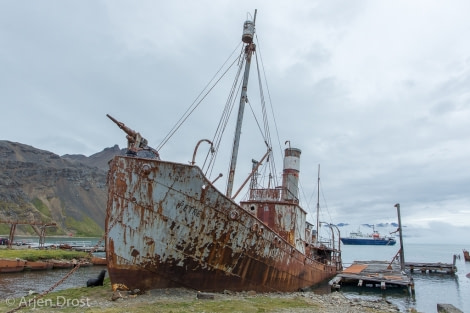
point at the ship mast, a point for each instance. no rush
(247, 37)
(318, 206)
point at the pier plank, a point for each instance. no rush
(381, 273)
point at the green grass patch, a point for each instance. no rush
(55, 231)
(34, 255)
(244, 305)
(41, 207)
(57, 300)
(87, 227)
(5, 229)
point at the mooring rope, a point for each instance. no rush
(58, 283)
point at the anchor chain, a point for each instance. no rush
(73, 270)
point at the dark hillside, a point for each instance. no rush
(37, 185)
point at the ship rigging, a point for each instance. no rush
(168, 225)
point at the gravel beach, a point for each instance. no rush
(328, 303)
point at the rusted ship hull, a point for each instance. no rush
(168, 226)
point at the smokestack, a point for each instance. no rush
(290, 175)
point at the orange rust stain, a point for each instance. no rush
(393, 277)
(355, 268)
(111, 249)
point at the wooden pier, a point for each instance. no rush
(385, 274)
(381, 274)
(439, 267)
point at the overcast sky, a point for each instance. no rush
(377, 92)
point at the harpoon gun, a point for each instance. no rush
(135, 142)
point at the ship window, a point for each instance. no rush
(252, 208)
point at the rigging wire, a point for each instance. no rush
(219, 135)
(197, 101)
(310, 200)
(269, 97)
(263, 103)
(257, 123)
(265, 138)
(209, 160)
(223, 121)
(326, 204)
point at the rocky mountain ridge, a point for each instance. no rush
(38, 185)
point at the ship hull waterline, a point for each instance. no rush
(168, 226)
(371, 242)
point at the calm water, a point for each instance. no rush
(19, 284)
(430, 289)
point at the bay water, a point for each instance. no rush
(430, 288)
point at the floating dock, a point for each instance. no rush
(381, 274)
(439, 267)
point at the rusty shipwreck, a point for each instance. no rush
(167, 225)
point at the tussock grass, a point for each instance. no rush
(35, 255)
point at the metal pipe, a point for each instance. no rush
(402, 252)
(339, 260)
(339, 236)
(332, 233)
(197, 146)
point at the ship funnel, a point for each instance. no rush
(290, 175)
(248, 31)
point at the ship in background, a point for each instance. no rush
(375, 239)
(167, 225)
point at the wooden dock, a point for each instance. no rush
(381, 274)
(438, 267)
(431, 267)
(385, 274)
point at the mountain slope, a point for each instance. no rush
(37, 185)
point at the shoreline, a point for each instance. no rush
(22, 259)
(50, 236)
(103, 299)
